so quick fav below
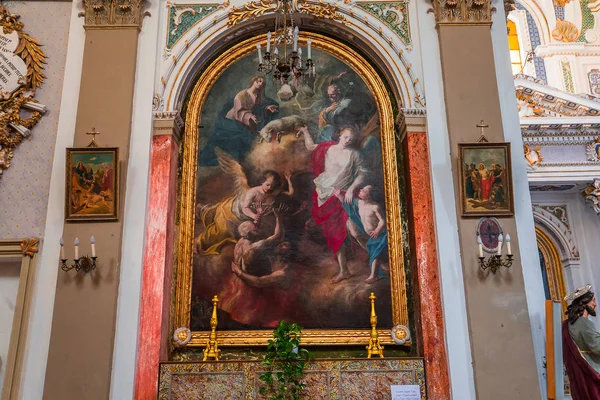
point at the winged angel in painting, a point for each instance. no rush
(248, 204)
(295, 227)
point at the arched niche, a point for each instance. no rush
(540, 19)
(195, 50)
(189, 239)
(553, 267)
(558, 229)
(559, 249)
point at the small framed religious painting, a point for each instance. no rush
(485, 179)
(92, 184)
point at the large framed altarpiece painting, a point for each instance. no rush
(290, 202)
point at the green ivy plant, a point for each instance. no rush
(285, 362)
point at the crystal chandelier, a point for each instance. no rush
(284, 63)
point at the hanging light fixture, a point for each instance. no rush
(283, 57)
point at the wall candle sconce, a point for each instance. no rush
(495, 261)
(83, 263)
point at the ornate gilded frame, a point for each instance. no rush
(69, 215)
(27, 249)
(184, 264)
(508, 170)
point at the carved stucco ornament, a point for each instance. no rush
(593, 151)
(561, 3)
(254, 9)
(450, 12)
(99, 13)
(565, 31)
(21, 73)
(592, 195)
(533, 156)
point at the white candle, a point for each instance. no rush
(309, 50)
(260, 60)
(269, 42)
(300, 57)
(500, 239)
(276, 52)
(296, 39)
(480, 245)
(93, 241)
(62, 248)
(76, 248)
(508, 244)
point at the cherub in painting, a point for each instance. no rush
(366, 219)
(222, 219)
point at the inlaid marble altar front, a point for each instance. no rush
(325, 379)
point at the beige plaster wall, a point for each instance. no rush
(83, 323)
(25, 185)
(501, 342)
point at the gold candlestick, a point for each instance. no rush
(374, 347)
(212, 347)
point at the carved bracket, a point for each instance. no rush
(462, 11)
(592, 195)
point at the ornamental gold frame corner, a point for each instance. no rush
(184, 265)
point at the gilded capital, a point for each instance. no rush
(467, 12)
(168, 123)
(113, 13)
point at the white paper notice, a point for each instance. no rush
(406, 392)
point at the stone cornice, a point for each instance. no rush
(559, 138)
(576, 49)
(113, 14)
(168, 123)
(546, 101)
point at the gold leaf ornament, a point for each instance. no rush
(565, 31)
(250, 10)
(30, 51)
(29, 247)
(561, 3)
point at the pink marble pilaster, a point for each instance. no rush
(428, 280)
(156, 278)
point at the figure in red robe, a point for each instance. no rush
(487, 180)
(581, 345)
(335, 165)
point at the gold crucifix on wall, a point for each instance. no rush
(93, 142)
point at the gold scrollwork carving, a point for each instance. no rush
(565, 31)
(469, 12)
(14, 127)
(322, 10)
(250, 10)
(254, 9)
(123, 13)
